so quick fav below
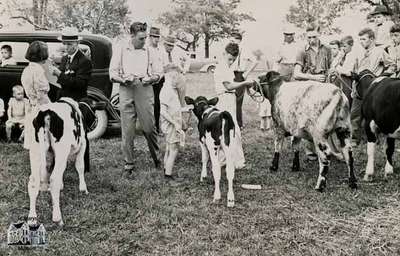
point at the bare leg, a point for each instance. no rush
(173, 152)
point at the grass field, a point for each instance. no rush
(145, 216)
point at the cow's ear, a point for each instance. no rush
(189, 101)
(273, 77)
(213, 101)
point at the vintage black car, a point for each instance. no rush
(98, 48)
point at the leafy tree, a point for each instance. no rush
(321, 12)
(210, 20)
(107, 17)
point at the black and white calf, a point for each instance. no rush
(59, 134)
(217, 132)
(381, 113)
(312, 111)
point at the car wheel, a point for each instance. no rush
(211, 69)
(100, 126)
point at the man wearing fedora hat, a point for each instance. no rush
(130, 66)
(286, 57)
(156, 56)
(75, 68)
(383, 24)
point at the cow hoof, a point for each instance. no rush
(353, 185)
(32, 221)
(273, 169)
(216, 201)
(59, 223)
(368, 178)
(231, 203)
(202, 179)
(321, 187)
(84, 192)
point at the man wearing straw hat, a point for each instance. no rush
(130, 66)
(382, 25)
(156, 55)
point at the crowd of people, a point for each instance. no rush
(151, 74)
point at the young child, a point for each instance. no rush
(265, 114)
(171, 120)
(6, 56)
(18, 108)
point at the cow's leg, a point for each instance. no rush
(389, 157)
(296, 159)
(80, 164)
(344, 136)
(278, 147)
(61, 156)
(323, 157)
(204, 161)
(371, 139)
(34, 183)
(230, 169)
(216, 167)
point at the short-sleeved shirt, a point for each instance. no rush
(347, 64)
(314, 62)
(157, 59)
(375, 59)
(394, 53)
(178, 58)
(1, 108)
(242, 61)
(287, 53)
(35, 84)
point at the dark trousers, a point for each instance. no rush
(157, 89)
(239, 104)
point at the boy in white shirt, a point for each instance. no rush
(6, 56)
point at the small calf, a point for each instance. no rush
(216, 132)
(59, 134)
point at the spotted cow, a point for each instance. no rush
(380, 111)
(216, 135)
(312, 111)
(59, 134)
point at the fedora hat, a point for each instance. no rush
(154, 31)
(169, 40)
(69, 34)
(380, 9)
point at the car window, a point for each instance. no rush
(57, 51)
(18, 51)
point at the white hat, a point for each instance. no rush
(289, 29)
(69, 34)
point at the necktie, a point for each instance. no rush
(68, 62)
(169, 57)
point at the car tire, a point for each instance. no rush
(101, 125)
(211, 69)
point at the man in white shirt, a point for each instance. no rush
(243, 63)
(130, 66)
(156, 56)
(383, 24)
(287, 54)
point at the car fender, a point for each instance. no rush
(98, 95)
(206, 66)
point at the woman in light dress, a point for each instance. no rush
(35, 84)
(225, 86)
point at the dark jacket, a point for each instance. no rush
(75, 78)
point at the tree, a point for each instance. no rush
(321, 12)
(107, 17)
(210, 20)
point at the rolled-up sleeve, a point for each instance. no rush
(115, 63)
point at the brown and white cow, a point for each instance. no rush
(59, 134)
(312, 111)
(216, 135)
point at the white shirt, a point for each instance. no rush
(1, 107)
(243, 60)
(223, 73)
(157, 59)
(287, 53)
(349, 64)
(9, 61)
(382, 33)
(127, 61)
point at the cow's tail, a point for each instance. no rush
(228, 126)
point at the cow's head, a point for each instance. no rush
(363, 81)
(200, 104)
(269, 84)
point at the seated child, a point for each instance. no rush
(172, 124)
(265, 114)
(6, 56)
(18, 108)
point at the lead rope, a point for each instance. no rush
(255, 96)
